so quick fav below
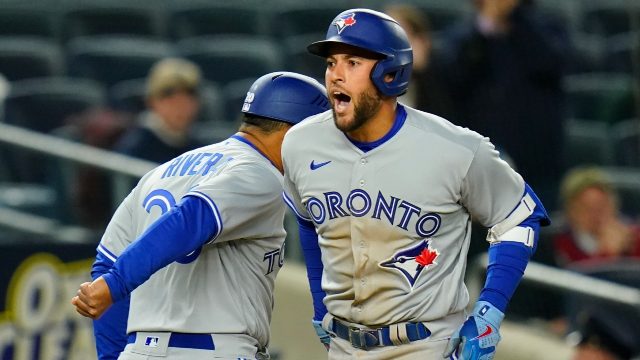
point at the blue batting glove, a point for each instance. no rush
(478, 336)
(324, 336)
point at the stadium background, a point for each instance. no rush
(61, 58)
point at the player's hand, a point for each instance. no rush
(478, 336)
(93, 299)
(323, 335)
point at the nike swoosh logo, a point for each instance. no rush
(485, 333)
(314, 166)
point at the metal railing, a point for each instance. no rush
(124, 168)
(565, 281)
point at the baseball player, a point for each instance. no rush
(198, 243)
(384, 195)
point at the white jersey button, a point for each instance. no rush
(363, 161)
(361, 182)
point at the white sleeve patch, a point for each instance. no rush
(508, 229)
(521, 234)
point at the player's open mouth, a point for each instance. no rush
(341, 101)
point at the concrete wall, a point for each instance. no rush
(293, 337)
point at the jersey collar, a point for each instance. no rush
(246, 141)
(401, 116)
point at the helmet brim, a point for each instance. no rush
(322, 48)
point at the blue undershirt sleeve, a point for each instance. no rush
(177, 233)
(313, 262)
(509, 259)
(110, 330)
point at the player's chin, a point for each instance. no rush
(344, 122)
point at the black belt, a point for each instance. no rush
(364, 338)
(181, 340)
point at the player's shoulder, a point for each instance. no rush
(246, 159)
(435, 125)
(309, 126)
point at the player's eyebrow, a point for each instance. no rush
(347, 57)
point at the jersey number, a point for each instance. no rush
(165, 201)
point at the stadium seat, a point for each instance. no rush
(625, 181)
(606, 97)
(225, 58)
(619, 52)
(625, 138)
(43, 104)
(234, 94)
(587, 53)
(300, 60)
(30, 198)
(129, 96)
(86, 18)
(610, 17)
(28, 19)
(212, 104)
(28, 57)
(567, 12)
(297, 18)
(111, 59)
(196, 18)
(587, 142)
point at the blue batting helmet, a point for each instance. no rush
(376, 32)
(286, 96)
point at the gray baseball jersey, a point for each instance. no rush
(226, 286)
(394, 223)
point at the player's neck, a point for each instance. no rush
(378, 125)
(268, 144)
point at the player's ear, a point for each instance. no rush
(389, 77)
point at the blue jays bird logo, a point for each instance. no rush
(411, 261)
(345, 21)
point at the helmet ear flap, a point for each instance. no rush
(401, 75)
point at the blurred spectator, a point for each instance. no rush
(163, 131)
(596, 231)
(427, 91)
(505, 68)
(599, 338)
(89, 191)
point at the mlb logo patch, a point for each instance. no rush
(151, 341)
(345, 21)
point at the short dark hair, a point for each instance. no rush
(264, 124)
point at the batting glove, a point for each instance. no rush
(324, 336)
(478, 336)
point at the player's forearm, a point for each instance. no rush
(101, 266)
(313, 262)
(507, 262)
(111, 331)
(174, 235)
(508, 258)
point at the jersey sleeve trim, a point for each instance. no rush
(104, 251)
(214, 210)
(289, 203)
